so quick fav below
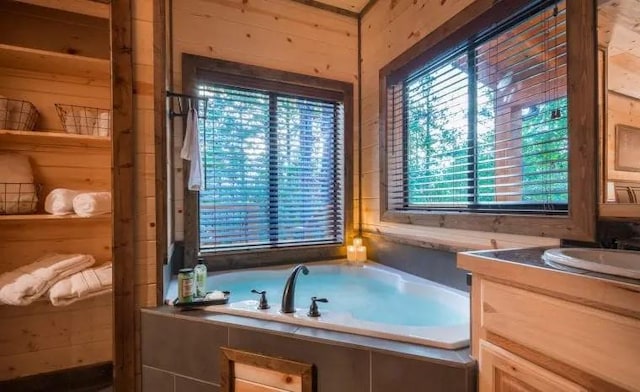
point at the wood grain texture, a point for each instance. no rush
(124, 186)
(502, 371)
(256, 372)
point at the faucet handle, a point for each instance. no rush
(313, 309)
(263, 299)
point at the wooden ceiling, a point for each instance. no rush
(619, 32)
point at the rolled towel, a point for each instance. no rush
(60, 201)
(88, 283)
(92, 203)
(28, 283)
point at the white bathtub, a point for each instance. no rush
(373, 300)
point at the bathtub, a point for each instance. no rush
(373, 300)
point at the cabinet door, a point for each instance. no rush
(502, 371)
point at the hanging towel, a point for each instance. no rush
(60, 201)
(28, 283)
(92, 203)
(88, 283)
(191, 150)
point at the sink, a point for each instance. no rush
(612, 262)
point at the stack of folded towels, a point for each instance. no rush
(63, 278)
(66, 201)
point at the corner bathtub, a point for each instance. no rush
(373, 300)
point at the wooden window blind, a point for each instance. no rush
(483, 127)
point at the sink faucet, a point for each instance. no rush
(288, 295)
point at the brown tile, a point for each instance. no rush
(154, 380)
(186, 347)
(190, 385)
(389, 373)
(339, 369)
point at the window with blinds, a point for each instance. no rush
(273, 169)
(483, 127)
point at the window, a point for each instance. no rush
(478, 123)
(273, 164)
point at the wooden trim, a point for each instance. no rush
(230, 356)
(367, 7)
(603, 94)
(580, 224)
(591, 382)
(195, 67)
(123, 179)
(327, 7)
(160, 140)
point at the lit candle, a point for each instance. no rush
(357, 241)
(361, 254)
(351, 253)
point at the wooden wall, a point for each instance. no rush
(388, 29)
(279, 34)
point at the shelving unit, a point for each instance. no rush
(49, 55)
(51, 218)
(54, 138)
(53, 62)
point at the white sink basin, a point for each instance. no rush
(612, 262)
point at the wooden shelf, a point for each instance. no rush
(54, 138)
(50, 218)
(53, 62)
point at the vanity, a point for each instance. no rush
(539, 328)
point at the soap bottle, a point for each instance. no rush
(200, 272)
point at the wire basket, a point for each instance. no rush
(18, 198)
(17, 115)
(84, 120)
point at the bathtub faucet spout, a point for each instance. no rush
(288, 295)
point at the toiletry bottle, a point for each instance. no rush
(200, 272)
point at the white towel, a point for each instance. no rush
(27, 283)
(17, 192)
(60, 201)
(92, 203)
(191, 151)
(85, 284)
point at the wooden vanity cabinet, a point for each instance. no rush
(536, 329)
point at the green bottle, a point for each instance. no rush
(200, 272)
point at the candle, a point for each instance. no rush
(360, 254)
(351, 253)
(357, 241)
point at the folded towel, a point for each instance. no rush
(60, 201)
(15, 168)
(28, 283)
(88, 283)
(92, 203)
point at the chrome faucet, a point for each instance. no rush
(288, 295)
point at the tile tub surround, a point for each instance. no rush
(180, 353)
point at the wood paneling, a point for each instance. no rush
(621, 110)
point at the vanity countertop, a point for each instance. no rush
(533, 257)
(525, 268)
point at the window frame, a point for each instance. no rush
(196, 68)
(580, 222)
